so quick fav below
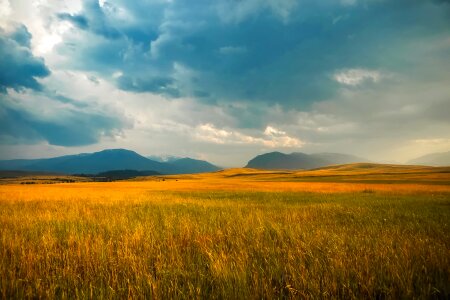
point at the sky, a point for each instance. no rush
(225, 80)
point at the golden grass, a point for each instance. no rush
(216, 236)
(96, 189)
(349, 173)
(43, 179)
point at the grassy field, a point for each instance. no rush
(233, 234)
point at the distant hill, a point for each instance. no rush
(433, 159)
(106, 160)
(185, 165)
(189, 165)
(298, 160)
(338, 158)
(125, 174)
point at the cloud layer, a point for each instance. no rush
(225, 79)
(281, 52)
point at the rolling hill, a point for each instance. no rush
(107, 160)
(298, 160)
(125, 174)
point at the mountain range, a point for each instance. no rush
(298, 160)
(107, 160)
(432, 159)
(127, 160)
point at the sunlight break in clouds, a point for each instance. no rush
(5, 8)
(271, 137)
(278, 138)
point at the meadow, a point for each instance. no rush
(236, 234)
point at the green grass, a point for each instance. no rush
(227, 245)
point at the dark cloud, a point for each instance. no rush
(286, 58)
(160, 85)
(78, 20)
(21, 36)
(62, 127)
(93, 19)
(15, 127)
(67, 100)
(19, 67)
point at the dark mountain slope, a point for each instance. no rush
(125, 174)
(106, 160)
(189, 165)
(298, 160)
(114, 159)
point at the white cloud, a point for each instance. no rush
(207, 132)
(47, 42)
(271, 137)
(354, 77)
(278, 138)
(271, 131)
(39, 18)
(5, 8)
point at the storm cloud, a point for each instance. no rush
(31, 118)
(225, 80)
(19, 67)
(284, 52)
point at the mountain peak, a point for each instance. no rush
(116, 151)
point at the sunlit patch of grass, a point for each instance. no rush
(212, 239)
